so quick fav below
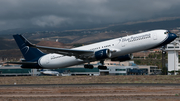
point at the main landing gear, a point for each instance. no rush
(102, 65)
(89, 66)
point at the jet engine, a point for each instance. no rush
(102, 54)
(123, 58)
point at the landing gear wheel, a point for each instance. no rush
(89, 66)
(102, 67)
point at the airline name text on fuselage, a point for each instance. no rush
(136, 38)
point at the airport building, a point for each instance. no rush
(14, 71)
(123, 68)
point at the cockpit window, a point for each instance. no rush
(167, 32)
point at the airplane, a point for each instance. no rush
(48, 72)
(118, 49)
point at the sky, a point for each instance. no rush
(57, 13)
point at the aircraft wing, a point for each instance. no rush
(64, 51)
(22, 63)
(81, 54)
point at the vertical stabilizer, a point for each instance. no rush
(29, 53)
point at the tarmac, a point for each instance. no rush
(90, 92)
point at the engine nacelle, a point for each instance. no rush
(123, 58)
(102, 54)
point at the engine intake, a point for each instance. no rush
(102, 54)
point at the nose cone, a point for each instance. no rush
(172, 36)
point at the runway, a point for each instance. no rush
(92, 84)
(91, 92)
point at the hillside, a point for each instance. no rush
(7, 44)
(165, 24)
(51, 44)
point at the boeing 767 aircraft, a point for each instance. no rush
(118, 49)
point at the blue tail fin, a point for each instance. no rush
(29, 53)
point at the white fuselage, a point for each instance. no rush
(122, 46)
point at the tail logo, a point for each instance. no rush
(25, 49)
